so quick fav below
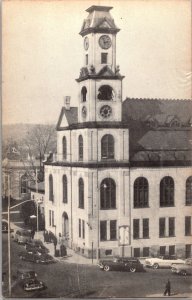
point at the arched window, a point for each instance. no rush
(167, 192)
(107, 147)
(84, 94)
(188, 198)
(64, 142)
(108, 194)
(81, 193)
(141, 192)
(50, 187)
(64, 189)
(105, 93)
(80, 147)
(23, 184)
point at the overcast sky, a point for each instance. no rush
(43, 53)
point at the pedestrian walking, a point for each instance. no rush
(167, 288)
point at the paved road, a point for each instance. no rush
(72, 280)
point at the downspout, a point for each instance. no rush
(71, 193)
(130, 227)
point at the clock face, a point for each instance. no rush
(84, 111)
(86, 43)
(105, 42)
(105, 111)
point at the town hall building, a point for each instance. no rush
(121, 181)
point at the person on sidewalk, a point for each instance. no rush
(167, 288)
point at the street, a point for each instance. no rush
(72, 280)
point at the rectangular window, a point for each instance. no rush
(113, 230)
(136, 252)
(79, 227)
(103, 230)
(104, 58)
(171, 226)
(162, 250)
(49, 217)
(86, 59)
(145, 228)
(53, 218)
(145, 251)
(188, 251)
(188, 225)
(171, 250)
(162, 227)
(136, 228)
(83, 229)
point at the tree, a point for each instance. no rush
(39, 140)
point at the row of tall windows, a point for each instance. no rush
(108, 230)
(141, 192)
(166, 227)
(107, 147)
(145, 228)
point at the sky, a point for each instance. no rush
(42, 53)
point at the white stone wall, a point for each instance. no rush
(92, 144)
(93, 105)
(94, 52)
(124, 212)
(154, 211)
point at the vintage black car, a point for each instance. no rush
(36, 245)
(33, 285)
(129, 264)
(36, 257)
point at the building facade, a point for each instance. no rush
(122, 173)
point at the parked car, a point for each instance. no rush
(33, 285)
(36, 245)
(22, 236)
(36, 257)
(183, 269)
(25, 274)
(129, 264)
(162, 261)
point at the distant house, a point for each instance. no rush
(19, 170)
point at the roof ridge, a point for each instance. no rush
(158, 99)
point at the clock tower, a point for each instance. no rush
(100, 83)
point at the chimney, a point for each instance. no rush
(67, 102)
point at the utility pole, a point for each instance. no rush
(36, 185)
(9, 236)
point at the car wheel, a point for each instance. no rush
(155, 266)
(132, 269)
(106, 268)
(184, 273)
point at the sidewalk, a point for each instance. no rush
(72, 256)
(173, 295)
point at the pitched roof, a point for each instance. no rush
(99, 20)
(70, 114)
(163, 144)
(139, 109)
